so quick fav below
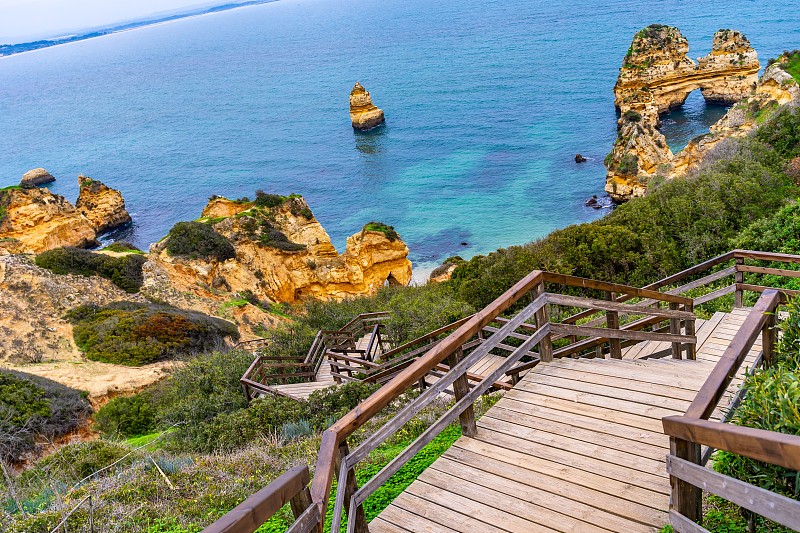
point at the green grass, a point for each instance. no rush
(136, 442)
(11, 188)
(792, 66)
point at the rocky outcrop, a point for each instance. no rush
(656, 77)
(283, 254)
(363, 114)
(35, 220)
(103, 206)
(36, 177)
(41, 221)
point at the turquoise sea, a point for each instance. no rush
(487, 103)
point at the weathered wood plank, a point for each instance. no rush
(583, 331)
(778, 508)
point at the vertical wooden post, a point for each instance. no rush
(598, 351)
(461, 389)
(675, 329)
(686, 498)
(612, 322)
(691, 349)
(349, 490)
(542, 317)
(738, 277)
(769, 336)
(300, 502)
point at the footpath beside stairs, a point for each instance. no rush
(577, 445)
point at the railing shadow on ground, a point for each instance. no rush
(577, 335)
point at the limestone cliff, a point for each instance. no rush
(363, 114)
(38, 220)
(35, 220)
(103, 206)
(283, 254)
(657, 76)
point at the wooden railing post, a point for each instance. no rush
(612, 322)
(349, 490)
(691, 349)
(542, 317)
(686, 498)
(675, 329)
(461, 389)
(738, 277)
(769, 336)
(300, 502)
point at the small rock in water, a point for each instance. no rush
(579, 158)
(36, 177)
(464, 244)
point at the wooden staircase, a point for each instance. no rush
(577, 445)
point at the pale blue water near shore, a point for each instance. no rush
(486, 104)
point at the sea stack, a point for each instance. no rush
(36, 177)
(363, 114)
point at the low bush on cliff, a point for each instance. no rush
(30, 406)
(125, 272)
(136, 334)
(122, 247)
(126, 417)
(389, 231)
(197, 240)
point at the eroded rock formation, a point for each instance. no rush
(283, 254)
(102, 205)
(363, 113)
(656, 77)
(36, 177)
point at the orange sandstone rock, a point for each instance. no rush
(363, 114)
(103, 206)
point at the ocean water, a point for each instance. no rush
(487, 103)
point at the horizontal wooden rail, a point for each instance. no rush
(258, 508)
(573, 281)
(606, 333)
(768, 504)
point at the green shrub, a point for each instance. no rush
(126, 417)
(380, 227)
(268, 200)
(74, 462)
(31, 405)
(782, 132)
(632, 116)
(136, 334)
(125, 272)
(121, 246)
(628, 165)
(198, 240)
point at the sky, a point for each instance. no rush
(26, 20)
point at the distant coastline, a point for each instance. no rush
(11, 49)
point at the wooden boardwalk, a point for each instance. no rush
(576, 446)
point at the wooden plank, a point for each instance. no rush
(761, 288)
(768, 446)
(570, 431)
(572, 447)
(683, 525)
(608, 402)
(477, 508)
(583, 331)
(703, 281)
(622, 308)
(720, 377)
(512, 510)
(669, 391)
(551, 508)
(406, 519)
(605, 467)
(714, 295)
(665, 401)
(640, 441)
(428, 506)
(575, 281)
(605, 498)
(778, 508)
(540, 470)
(767, 256)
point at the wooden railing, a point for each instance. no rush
(291, 487)
(269, 368)
(580, 334)
(684, 464)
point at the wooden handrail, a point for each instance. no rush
(714, 387)
(258, 508)
(634, 292)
